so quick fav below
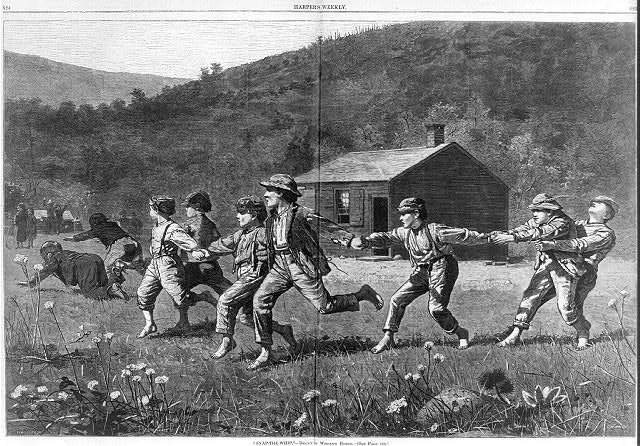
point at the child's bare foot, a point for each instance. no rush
(226, 346)
(385, 343)
(147, 330)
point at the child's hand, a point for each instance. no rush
(67, 239)
(200, 254)
(356, 243)
(542, 245)
(501, 238)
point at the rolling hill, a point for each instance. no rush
(27, 76)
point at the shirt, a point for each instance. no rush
(248, 246)
(203, 231)
(281, 224)
(428, 242)
(175, 237)
(107, 233)
(594, 242)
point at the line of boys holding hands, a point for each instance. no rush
(276, 248)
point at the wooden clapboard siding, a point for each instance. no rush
(458, 192)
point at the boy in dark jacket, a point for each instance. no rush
(76, 268)
(556, 272)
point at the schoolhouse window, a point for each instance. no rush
(342, 206)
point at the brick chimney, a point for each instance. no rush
(435, 134)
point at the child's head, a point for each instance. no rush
(251, 209)
(162, 206)
(543, 207)
(197, 202)
(48, 248)
(603, 208)
(280, 188)
(96, 220)
(412, 211)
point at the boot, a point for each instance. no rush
(463, 337)
(183, 322)
(368, 294)
(582, 331)
(115, 291)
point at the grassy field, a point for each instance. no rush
(207, 397)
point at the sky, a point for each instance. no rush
(167, 48)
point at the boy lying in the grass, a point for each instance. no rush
(85, 270)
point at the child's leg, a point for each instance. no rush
(148, 291)
(172, 278)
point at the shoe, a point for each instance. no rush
(115, 291)
(148, 330)
(260, 362)
(385, 344)
(367, 293)
(224, 349)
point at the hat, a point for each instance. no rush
(412, 204)
(615, 207)
(198, 200)
(545, 201)
(282, 181)
(164, 204)
(97, 219)
(251, 203)
(48, 247)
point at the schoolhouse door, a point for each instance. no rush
(380, 221)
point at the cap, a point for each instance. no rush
(164, 204)
(544, 201)
(282, 181)
(198, 200)
(97, 219)
(412, 204)
(613, 205)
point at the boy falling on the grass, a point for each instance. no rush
(249, 249)
(76, 268)
(436, 270)
(556, 272)
(166, 270)
(595, 240)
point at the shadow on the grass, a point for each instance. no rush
(204, 329)
(548, 339)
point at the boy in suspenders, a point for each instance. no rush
(435, 273)
(166, 270)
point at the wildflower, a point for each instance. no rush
(38, 267)
(428, 345)
(136, 379)
(48, 305)
(434, 427)
(624, 294)
(421, 368)
(438, 358)
(311, 395)
(125, 373)
(81, 327)
(543, 397)
(42, 389)
(612, 303)
(33, 407)
(18, 391)
(96, 340)
(92, 385)
(329, 403)
(407, 377)
(21, 259)
(145, 400)
(140, 366)
(130, 367)
(114, 395)
(63, 396)
(396, 405)
(108, 336)
(301, 421)
(415, 377)
(161, 379)
(149, 372)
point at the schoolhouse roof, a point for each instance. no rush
(377, 165)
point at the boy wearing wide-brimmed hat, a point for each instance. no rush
(249, 249)
(556, 272)
(595, 240)
(296, 259)
(166, 270)
(435, 268)
(206, 271)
